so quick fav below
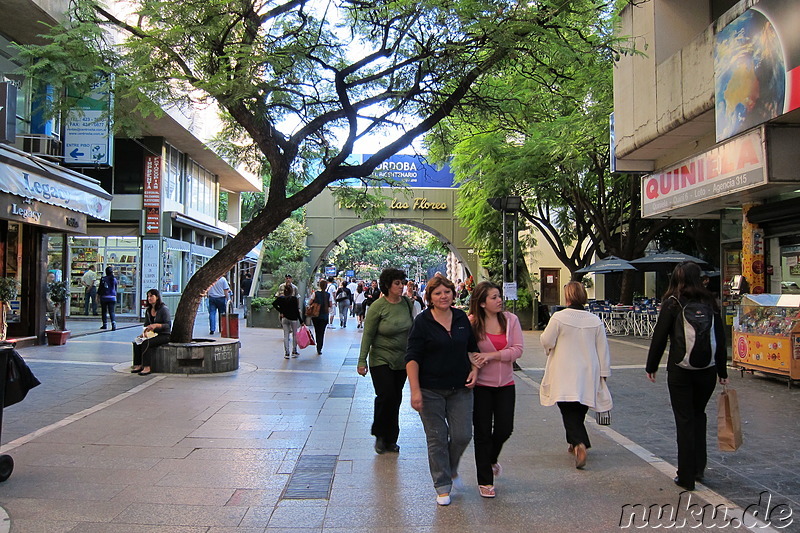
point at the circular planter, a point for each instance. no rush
(201, 356)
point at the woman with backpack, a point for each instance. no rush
(107, 292)
(691, 321)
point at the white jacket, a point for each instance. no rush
(578, 356)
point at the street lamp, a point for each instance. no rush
(508, 204)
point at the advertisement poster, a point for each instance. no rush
(757, 67)
(87, 130)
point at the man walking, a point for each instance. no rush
(218, 295)
(247, 283)
(89, 280)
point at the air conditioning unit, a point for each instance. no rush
(42, 145)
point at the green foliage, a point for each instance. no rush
(9, 288)
(300, 83)
(370, 250)
(284, 252)
(540, 130)
(58, 292)
(258, 303)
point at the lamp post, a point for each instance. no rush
(509, 204)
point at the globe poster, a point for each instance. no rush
(757, 67)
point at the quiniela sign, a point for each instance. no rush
(730, 167)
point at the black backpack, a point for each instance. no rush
(694, 329)
(102, 287)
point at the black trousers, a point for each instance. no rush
(388, 385)
(689, 392)
(320, 322)
(143, 353)
(573, 414)
(493, 422)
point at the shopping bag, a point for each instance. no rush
(304, 337)
(603, 418)
(729, 424)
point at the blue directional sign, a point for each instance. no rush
(330, 270)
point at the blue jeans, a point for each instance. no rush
(447, 419)
(109, 311)
(215, 304)
(91, 297)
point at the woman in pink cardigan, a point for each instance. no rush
(499, 337)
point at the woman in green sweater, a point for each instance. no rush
(384, 343)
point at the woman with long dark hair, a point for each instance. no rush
(323, 298)
(690, 383)
(499, 337)
(157, 321)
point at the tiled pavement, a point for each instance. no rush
(284, 445)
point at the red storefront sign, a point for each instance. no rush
(152, 194)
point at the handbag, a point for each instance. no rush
(19, 379)
(304, 337)
(312, 310)
(729, 423)
(603, 417)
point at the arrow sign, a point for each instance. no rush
(149, 227)
(75, 153)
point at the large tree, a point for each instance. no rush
(301, 83)
(543, 134)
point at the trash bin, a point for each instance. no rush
(229, 325)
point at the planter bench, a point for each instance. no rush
(201, 356)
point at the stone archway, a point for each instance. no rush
(429, 209)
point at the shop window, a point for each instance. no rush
(12, 257)
(119, 253)
(171, 281)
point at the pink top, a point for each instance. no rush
(500, 373)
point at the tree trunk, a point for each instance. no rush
(220, 264)
(626, 291)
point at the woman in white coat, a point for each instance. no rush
(578, 364)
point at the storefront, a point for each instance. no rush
(41, 204)
(118, 251)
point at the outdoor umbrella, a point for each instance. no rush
(606, 266)
(663, 260)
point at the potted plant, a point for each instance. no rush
(58, 292)
(262, 314)
(9, 287)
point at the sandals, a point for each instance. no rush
(487, 491)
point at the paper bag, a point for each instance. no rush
(729, 424)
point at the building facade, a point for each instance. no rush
(707, 113)
(149, 207)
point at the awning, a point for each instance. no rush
(175, 244)
(192, 223)
(252, 255)
(202, 251)
(38, 179)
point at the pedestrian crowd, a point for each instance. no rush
(460, 369)
(459, 363)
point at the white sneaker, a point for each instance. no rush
(443, 499)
